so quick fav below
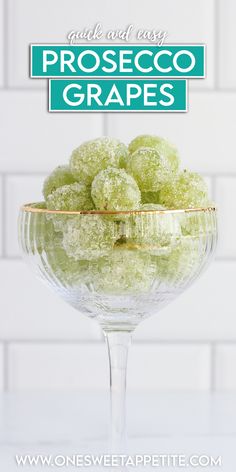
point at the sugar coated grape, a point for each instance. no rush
(41, 232)
(66, 270)
(89, 236)
(150, 197)
(74, 197)
(155, 233)
(197, 224)
(59, 177)
(149, 168)
(168, 150)
(181, 264)
(124, 272)
(59, 220)
(187, 190)
(93, 156)
(115, 190)
(39, 205)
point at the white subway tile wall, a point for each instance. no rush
(185, 367)
(44, 343)
(205, 141)
(226, 196)
(30, 310)
(2, 368)
(51, 367)
(19, 190)
(85, 367)
(1, 214)
(226, 32)
(38, 141)
(225, 376)
(1, 43)
(206, 311)
(31, 22)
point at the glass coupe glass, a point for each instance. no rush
(119, 268)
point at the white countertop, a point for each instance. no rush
(70, 423)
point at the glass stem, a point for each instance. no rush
(118, 345)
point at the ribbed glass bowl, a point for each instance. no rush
(118, 267)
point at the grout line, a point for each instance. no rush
(170, 342)
(223, 174)
(5, 367)
(225, 258)
(11, 258)
(5, 48)
(46, 342)
(23, 88)
(2, 217)
(24, 174)
(213, 187)
(225, 90)
(105, 124)
(213, 368)
(216, 44)
(4, 214)
(216, 174)
(189, 341)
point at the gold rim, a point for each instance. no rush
(28, 208)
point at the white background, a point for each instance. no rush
(45, 344)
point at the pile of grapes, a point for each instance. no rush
(116, 251)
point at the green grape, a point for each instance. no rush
(155, 233)
(39, 205)
(168, 150)
(181, 264)
(59, 220)
(187, 190)
(65, 269)
(123, 272)
(46, 242)
(93, 156)
(150, 197)
(89, 236)
(149, 168)
(74, 197)
(58, 178)
(115, 190)
(197, 224)
(41, 231)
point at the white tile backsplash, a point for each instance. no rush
(30, 310)
(51, 345)
(34, 140)
(1, 368)
(225, 361)
(33, 22)
(206, 311)
(184, 367)
(226, 32)
(51, 367)
(211, 318)
(1, 216)
(202, 147)
(19, 190)
(1, 43)
(85, 367)
(226, 198)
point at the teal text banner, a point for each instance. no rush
(117, 61)
(118, 95)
